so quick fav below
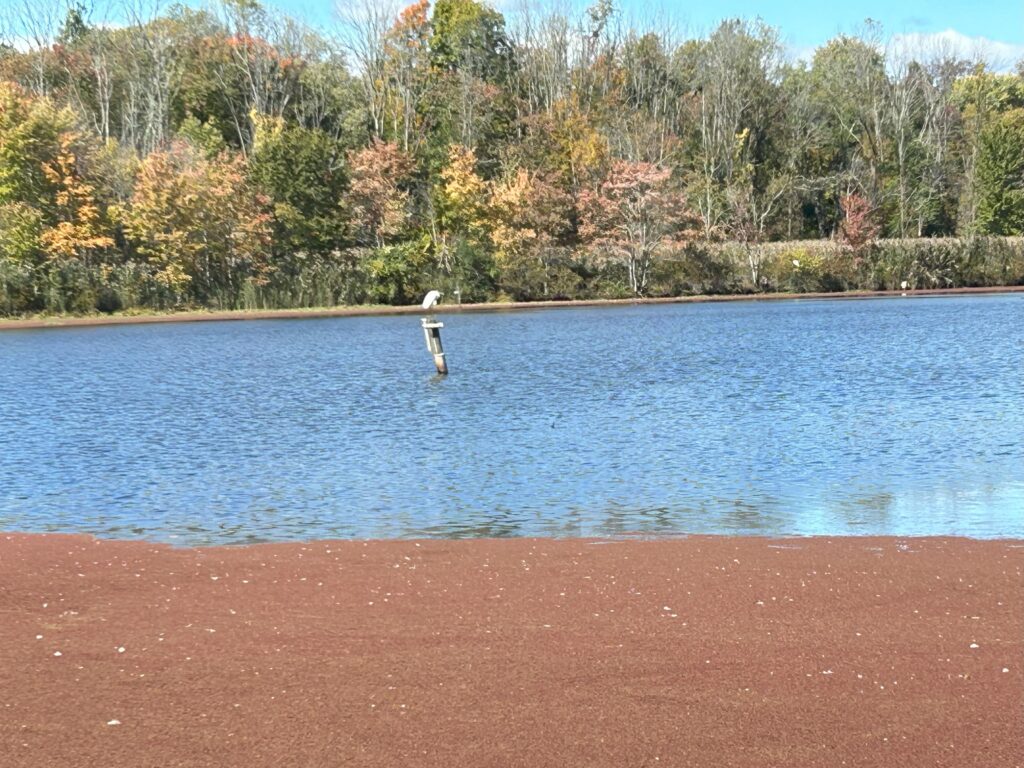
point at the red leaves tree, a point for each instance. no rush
(858, 227)
(634, 215)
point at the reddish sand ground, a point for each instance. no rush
(684, 652)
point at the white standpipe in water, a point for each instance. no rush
(432, 333)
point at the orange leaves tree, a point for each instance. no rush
(79, 229)
(634, 215)
(199, 224)
(407, 72)
(378, 196)
(380, 209)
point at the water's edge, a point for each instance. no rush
(792, 540)
(75, 321)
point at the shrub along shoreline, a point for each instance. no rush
(699, 269)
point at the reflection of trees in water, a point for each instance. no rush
(564, 523)
(616, 520)
(713, 516)
(871, 510)
(489, 530)
(498, 524)
(742, 515)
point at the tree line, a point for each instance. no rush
(234, 157)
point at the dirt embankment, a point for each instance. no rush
(684, 652)
(298, 314)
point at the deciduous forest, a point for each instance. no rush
(157, 157)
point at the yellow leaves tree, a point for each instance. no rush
(198, 222)
(461, 224)
(463, 195)
(30, 137)
(511, 233)
(80, 229)
(585, 149)
(529, 216)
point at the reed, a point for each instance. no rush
(367, 276)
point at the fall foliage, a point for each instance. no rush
(189, 215)
(231, 156)
(79, 230)
(858, 228)
(634, 214)
(379, 197)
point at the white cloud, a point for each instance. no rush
(1001, 56)
(803, 53)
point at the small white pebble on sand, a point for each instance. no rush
(975, 645)
(1006, 669)
(120, 649)
(39, 637)
(666, 608)
(113, 722)
(57, 653)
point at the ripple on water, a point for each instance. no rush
(894, 417)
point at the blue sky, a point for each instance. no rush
(811, 22)
(805, 24)
(991, 29)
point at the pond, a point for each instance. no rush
(890, 416)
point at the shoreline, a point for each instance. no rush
(638, 537)
(79, 321)
(704, 650)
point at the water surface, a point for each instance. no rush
(892, 416)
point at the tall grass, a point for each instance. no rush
(302, 281)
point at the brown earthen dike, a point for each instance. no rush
(680, 652)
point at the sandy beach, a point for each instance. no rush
(705, 651)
